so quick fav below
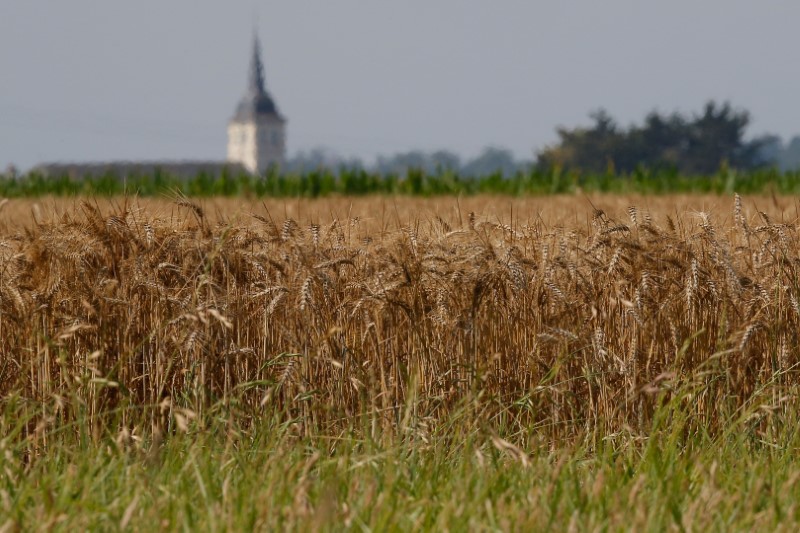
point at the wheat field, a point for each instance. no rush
(484, 363)
(554, 316)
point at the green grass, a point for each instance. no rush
(356, 182)
(214, 474)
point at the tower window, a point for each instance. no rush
(276, 138)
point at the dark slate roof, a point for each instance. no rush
(256, 101)
(252, 106)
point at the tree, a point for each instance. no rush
(698, 145)
(771, 150)
(492, 160)
(430, 163)
(590, 149)
(443, 160)
(402, 162)
(790, 157)
(319, 159)
(716, 137)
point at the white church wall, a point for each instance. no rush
(242, 145)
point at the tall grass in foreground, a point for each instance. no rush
(638, 372)
(212, 475)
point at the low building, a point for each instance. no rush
(175, 169)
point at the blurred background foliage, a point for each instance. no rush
(705, 152)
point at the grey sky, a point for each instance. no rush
(151, 79)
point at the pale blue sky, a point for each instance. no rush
(153, 79)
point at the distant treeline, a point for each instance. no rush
(344, 181)
(490, 161)
(703, 152)
(697, 144)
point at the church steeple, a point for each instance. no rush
(256, 84)
(256, 101)
(257, 131)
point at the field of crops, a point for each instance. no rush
(565, 338)
(412, 182)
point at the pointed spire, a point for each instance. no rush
(256, 101)
(256, 84)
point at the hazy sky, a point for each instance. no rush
(151, 79)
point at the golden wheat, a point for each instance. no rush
(556, 319)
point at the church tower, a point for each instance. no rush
(257, 131)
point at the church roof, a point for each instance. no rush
(256, 101)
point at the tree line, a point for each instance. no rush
(490, 161)
(699, 144)
(696, 144)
